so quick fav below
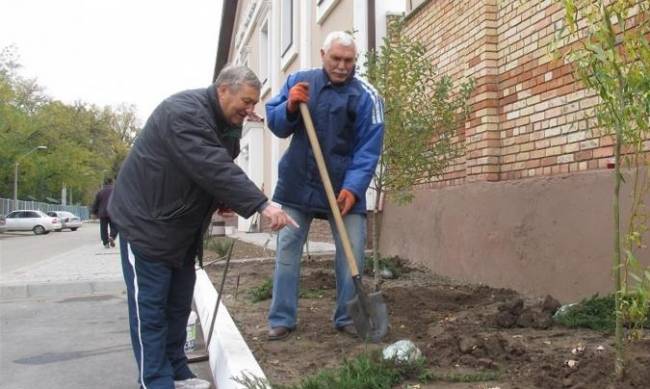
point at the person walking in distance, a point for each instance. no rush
(107, 229)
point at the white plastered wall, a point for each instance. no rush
(360, 21)
(251, 160)
(304, 13)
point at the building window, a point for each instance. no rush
(265, 57)
(413, 4)
(324, 8)
(287, 26)
(242, 58)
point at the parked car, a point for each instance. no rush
(68, 220)
(30, 220)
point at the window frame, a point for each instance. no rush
(324, 8)
(289, 53)
(412, 7)
(265, 47)
(286, 46)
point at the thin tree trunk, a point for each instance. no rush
(619, 361)
(376, 226)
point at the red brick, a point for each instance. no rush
(509, 99)
(532, 164)
(583, 155)
(489, 103)
(603, 152)
(548, 161)
(474, 61)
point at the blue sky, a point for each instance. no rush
(118, 51)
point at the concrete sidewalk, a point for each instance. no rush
(94, 272)
(269, 240)
(65, 319)
(92, 269)
(89, 269)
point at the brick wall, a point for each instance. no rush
(529, 115)
(550, 233)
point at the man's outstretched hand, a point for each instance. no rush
(278, 217)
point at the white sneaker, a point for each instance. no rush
(192, 383)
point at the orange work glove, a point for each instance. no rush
(346, 201)
(298, 93)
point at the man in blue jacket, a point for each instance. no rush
(178, 173)
(348, 116)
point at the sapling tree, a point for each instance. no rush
(607, 41)
(423, 113)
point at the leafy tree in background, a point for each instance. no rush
(423, 113)
(608, 43)
(124, 120)
(85, 143)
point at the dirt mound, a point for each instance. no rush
(458, 328)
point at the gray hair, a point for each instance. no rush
(235, 76)
(341, 37)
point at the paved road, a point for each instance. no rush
(63, 314)
(29, 247)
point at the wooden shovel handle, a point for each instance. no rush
(329, 191)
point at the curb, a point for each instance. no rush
(10, 291)
(229, 354)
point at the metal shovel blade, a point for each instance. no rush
(370, 315)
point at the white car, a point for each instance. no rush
(30, 220)
(68, 220)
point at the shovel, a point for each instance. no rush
(368, 311)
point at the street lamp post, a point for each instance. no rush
(16, 172)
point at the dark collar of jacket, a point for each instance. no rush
(227, 129)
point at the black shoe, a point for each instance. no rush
(111, 242)
(279, 333)
(349, 329)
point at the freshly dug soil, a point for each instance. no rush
(459, 328)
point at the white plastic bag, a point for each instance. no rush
(402, 351)
(190, 339)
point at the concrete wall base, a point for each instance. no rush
(549, 235)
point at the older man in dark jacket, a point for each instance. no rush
(179, 172)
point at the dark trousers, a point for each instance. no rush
(160, 301)
(104, 224)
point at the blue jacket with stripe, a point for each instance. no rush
(349, 124)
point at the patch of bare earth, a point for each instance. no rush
(460, 328)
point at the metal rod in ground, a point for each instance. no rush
(223, 282)
(205, 356)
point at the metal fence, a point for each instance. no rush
(7, 205)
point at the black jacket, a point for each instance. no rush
(179, 171)
(100, 206)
